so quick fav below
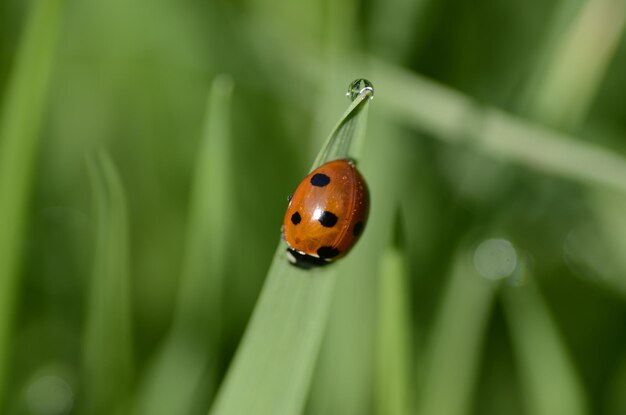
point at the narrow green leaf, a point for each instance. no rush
(548, 375)
(451, 116)
(174, 377)
(347, 136)
(272, 369)
(454, 117)
(108, 346)
(20, 123)
(562, 96)
(345, 373)
(454, 352)
(605, 252)
(393, 380)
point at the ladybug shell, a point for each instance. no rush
(327, 212)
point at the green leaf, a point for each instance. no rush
(454, 117)
(108, 359)
(272, 370)
(548, 375)
(561, 96)
(174, 377)
(344, 374)
(20, 122)
(449, 115)
(454, 349)
(347, 136)
(394, 363)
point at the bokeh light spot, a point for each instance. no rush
(495, 258)
(49, 395)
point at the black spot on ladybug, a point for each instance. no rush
(358, 228)
(328, 219)
(320, 180)
(327, 252)
(295, 218)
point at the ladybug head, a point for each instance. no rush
(304, 261)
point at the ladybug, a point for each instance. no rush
(326, 214)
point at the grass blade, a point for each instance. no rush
(454, 117)
(20, 122)
(345, 373)
(175, 375)
(394, 343)
(548, 375)
(451, 116)
(562, 95)
(272, 369)
(108, 347)
(608, 209)
(347, 136)
(453, 355)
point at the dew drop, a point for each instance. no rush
(358, 87)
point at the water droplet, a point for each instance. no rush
(358, 87)
(495, 258)
(49, 395)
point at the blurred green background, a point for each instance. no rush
(147, 149)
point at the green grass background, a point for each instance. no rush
(146, 152)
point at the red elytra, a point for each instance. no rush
(326, 214)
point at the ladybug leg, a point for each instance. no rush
(282, 232)
(289, 197)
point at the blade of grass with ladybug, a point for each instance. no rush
(273, 366)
